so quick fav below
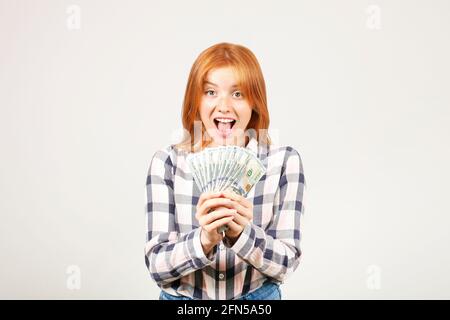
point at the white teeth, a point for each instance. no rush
(224, 120)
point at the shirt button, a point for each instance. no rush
(221, 276)
(222, 246)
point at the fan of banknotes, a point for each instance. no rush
(226, 168)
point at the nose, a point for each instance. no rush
(224, 105)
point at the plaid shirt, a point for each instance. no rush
(268, 249)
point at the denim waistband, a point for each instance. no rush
(268, 291)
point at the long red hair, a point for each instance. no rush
(250, 80)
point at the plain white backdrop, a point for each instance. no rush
(89, 90)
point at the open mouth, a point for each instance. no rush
(224, 123)
(224, 126)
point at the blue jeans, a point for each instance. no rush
(268, 291)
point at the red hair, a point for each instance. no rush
(250, 79)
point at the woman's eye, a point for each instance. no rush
(238, 94)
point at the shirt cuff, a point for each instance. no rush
(198, 255)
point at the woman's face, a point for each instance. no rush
(224, 111)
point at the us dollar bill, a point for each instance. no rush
(231, 168)
(246, 179)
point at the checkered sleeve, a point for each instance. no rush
(275, 251)
(169, 255)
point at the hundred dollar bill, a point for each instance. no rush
(215, 159)
(239, 165)
(226, 171)
(193, 168)
(204, 170)
(218, 159)
(251, 174)
(208, 155)
(246, 178)
(207, 168)
(230, 165)
(224, 157)
(226, 168)
(198, 159)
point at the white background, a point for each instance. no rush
(362, 92)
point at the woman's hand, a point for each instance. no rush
(213, 211)
(243, 217)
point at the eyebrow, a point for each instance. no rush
(215, 85)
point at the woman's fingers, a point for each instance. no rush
(218, 223)
(246, 212)
(222, 202)
(207, 195)
(212, 203)
(238, 198)
(218, 214)
(234, 226)
(241, 204)
(241, 220)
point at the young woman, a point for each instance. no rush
(225, 103)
